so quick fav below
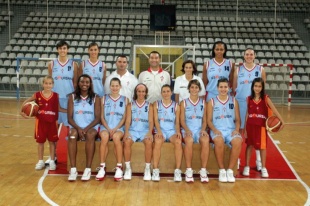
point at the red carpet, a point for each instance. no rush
(276, 164)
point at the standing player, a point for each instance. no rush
(224, 123)
(113, 113)
(46, 121)
(94, 68)
(84, 118)
(138, 128)
(180, 86)
(155, 77)
(128, 80)
(193, 119)
(257, 113)
(64, 72)
(243, 78)
(167, 128)
(216, 68)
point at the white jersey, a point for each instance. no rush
(154, 82)
(128, 81)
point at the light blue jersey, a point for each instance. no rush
(216, 71)
(95, 71)
(166, 115)
(224, 113)
(245, 79)
(243, 90)
(83, 111)
(140, 117)
(194, 114)
(114, 110)
(63, 77)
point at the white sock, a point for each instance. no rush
(203, 169)
(258, 155)
(188, 168)
(119, 165)
(102, 164)
(40, 161)
(127, 164)
(147, 165)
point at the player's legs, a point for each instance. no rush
(72, 147)
(127, 149)
(235, 151)
(188, 150)
(178, 152)
(118, 147)
(158, 142)
(263, 157)
(204, 155)
(90, 146)
(148, 149)
(104, 136)
(219, 151)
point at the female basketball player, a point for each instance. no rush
(46, 122)
(216, 68)
(94, 68)
(257, 113)
(167, 128)
(84, 118)
(138, 128)
(113, 113)
(193, 119)
(243, 78)
(224, 123)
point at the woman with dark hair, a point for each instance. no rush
(84, 118)
(180, 86)
(94, 68)
(217, 68)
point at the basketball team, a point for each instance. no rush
(224, 107)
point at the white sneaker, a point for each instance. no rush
(72, 175)
(265, 172)
(177, 175)
(155, 176)
(147, 174)
(230, 176)
(127, 175)
(258, 165)
(204, 176)
(40, 165)
(86, 174)
(246, 171)
(52, 165)
(47, 162)
(222, 175)
(101, 173)
(118, 174)
(189, 176)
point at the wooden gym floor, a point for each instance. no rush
(20, 184)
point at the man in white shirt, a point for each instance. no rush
(128, 80)
(154, 77)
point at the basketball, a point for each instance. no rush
(273, 124)
(30, 109)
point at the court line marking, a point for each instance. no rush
(10, 114)
(41, 191)
(295, 173)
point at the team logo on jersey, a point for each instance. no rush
(100, 69)
(94, 71)
(219, 70)
(162, 78)
(62, 70)
(224, 109)
(69, 68)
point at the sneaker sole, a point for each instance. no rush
(204, 181)
(245, 174)
(100, 179)
(118, 179)
(127, 178)
(146, 179)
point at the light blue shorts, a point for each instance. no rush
(196, 135)
(167, 134)
(137, 136)
(102, 128)
(226, 136)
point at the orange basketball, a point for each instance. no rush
(273, 124)
(30, 109)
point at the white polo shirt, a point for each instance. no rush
(180, 87)
(128, 81)
(154, 82)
